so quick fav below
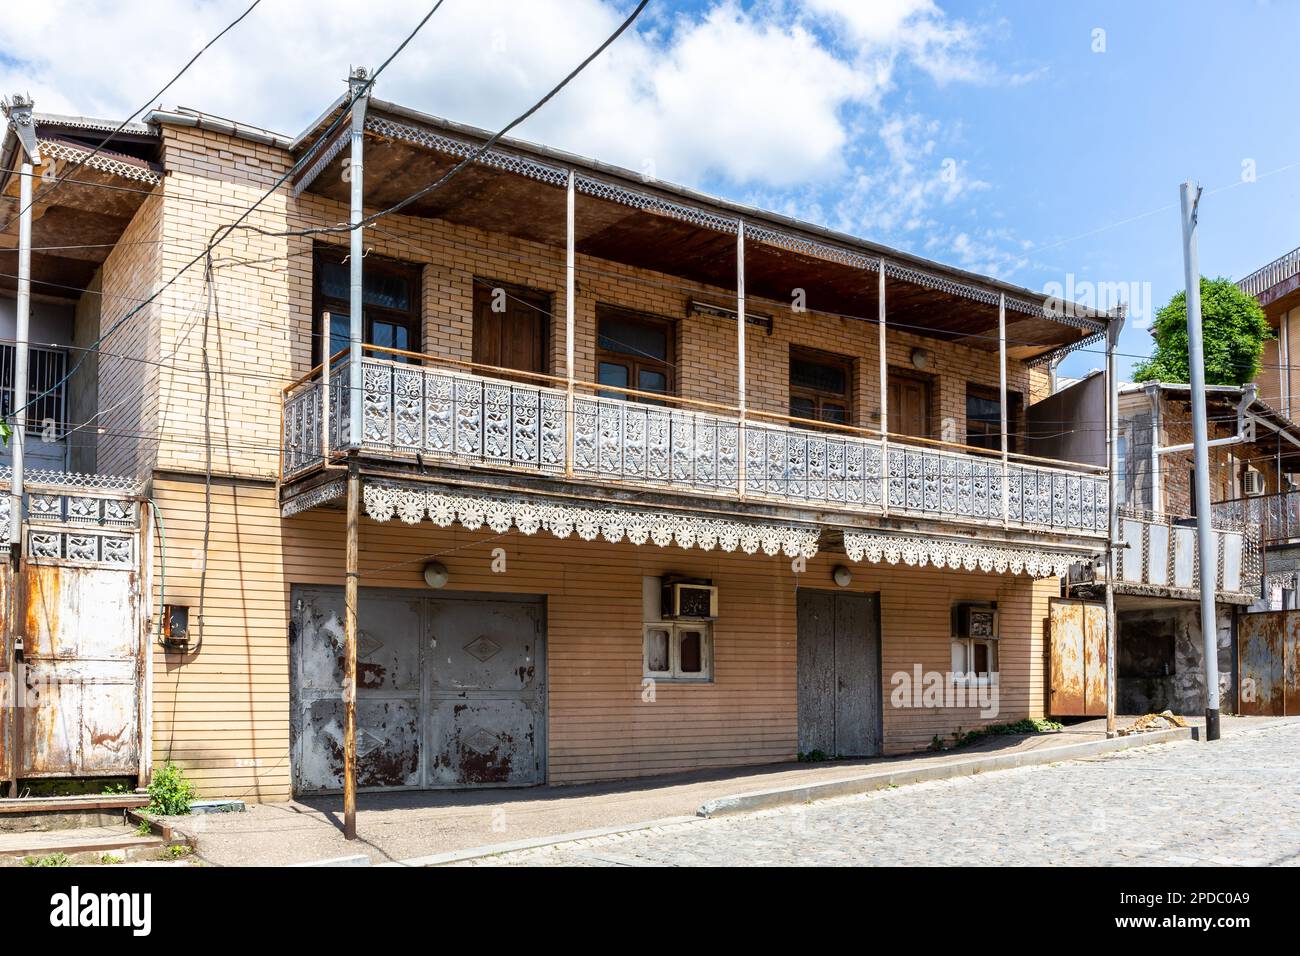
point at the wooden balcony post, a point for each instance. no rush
(1002, 399)
(884, 392)
(740, 354)
(569, 312)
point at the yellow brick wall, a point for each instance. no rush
(259, 321)
(211, 180)
(127, 373)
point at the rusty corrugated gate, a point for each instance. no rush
(451, 690)
(1268, 664)
(1077, 662)
(79, 672)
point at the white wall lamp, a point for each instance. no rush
(842, 575)
(436, 574)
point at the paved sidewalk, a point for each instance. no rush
(400, 826)
(1233, 803)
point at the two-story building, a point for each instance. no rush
(647, 480)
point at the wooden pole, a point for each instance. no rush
(350, 658)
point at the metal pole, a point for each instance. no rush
(356, 253)
(325, 395)
(350, 657)
(884, 391)
(1113, 329)
(1002, 400)
(570, 313)
(19, 113)
(740, 352)
(1204, 533)
(21, 334)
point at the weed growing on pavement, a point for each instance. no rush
(54, 859)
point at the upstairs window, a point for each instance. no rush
(820, 386)
(634, 351)
(46, 390)
(984, 418)
(391, 301)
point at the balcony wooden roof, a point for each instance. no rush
(75, 228)
(518, 189)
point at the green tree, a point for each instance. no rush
(1235, 331)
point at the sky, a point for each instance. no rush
(1042, 143)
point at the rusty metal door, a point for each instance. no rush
(79, 678)
(486, 693)
(1268, 659)
(450, 690)
(839, 686)
(1077, 658)
(388, 690)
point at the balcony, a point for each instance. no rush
(1158, 556)
(439, 415)
(1275, 518)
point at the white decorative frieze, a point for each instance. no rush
(915, 551)
(384, 501)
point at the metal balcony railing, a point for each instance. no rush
(1274, 519)
(460, 417)
(1160, 551)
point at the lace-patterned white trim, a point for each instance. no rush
(411, 505)
(968, 555)
(105, 162)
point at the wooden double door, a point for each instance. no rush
(839, 698)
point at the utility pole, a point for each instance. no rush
(19, 113)
(1113, 329)
(358, 85)
(1191, 197)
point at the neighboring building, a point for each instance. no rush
(1159, 650)
(552, 509)
(1276, 511)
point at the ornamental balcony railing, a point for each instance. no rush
(1274, 519)
(1158, 554)
(454, 416)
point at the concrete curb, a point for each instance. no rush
(879, 780)
(474, 853)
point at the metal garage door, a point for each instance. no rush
(450, 690)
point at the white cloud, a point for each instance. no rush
(784, 102)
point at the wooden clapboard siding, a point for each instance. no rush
(224, 712)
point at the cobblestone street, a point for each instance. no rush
(1236, 802)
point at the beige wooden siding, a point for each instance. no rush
(224, 712)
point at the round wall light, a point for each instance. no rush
(920, 358)
(436, 574)
(842, 575)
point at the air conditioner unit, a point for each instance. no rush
(689, 601)
(972, 620)
(1252, 483)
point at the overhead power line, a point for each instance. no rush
(44, 194)
(221, 232)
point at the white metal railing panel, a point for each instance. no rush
(411, 410)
